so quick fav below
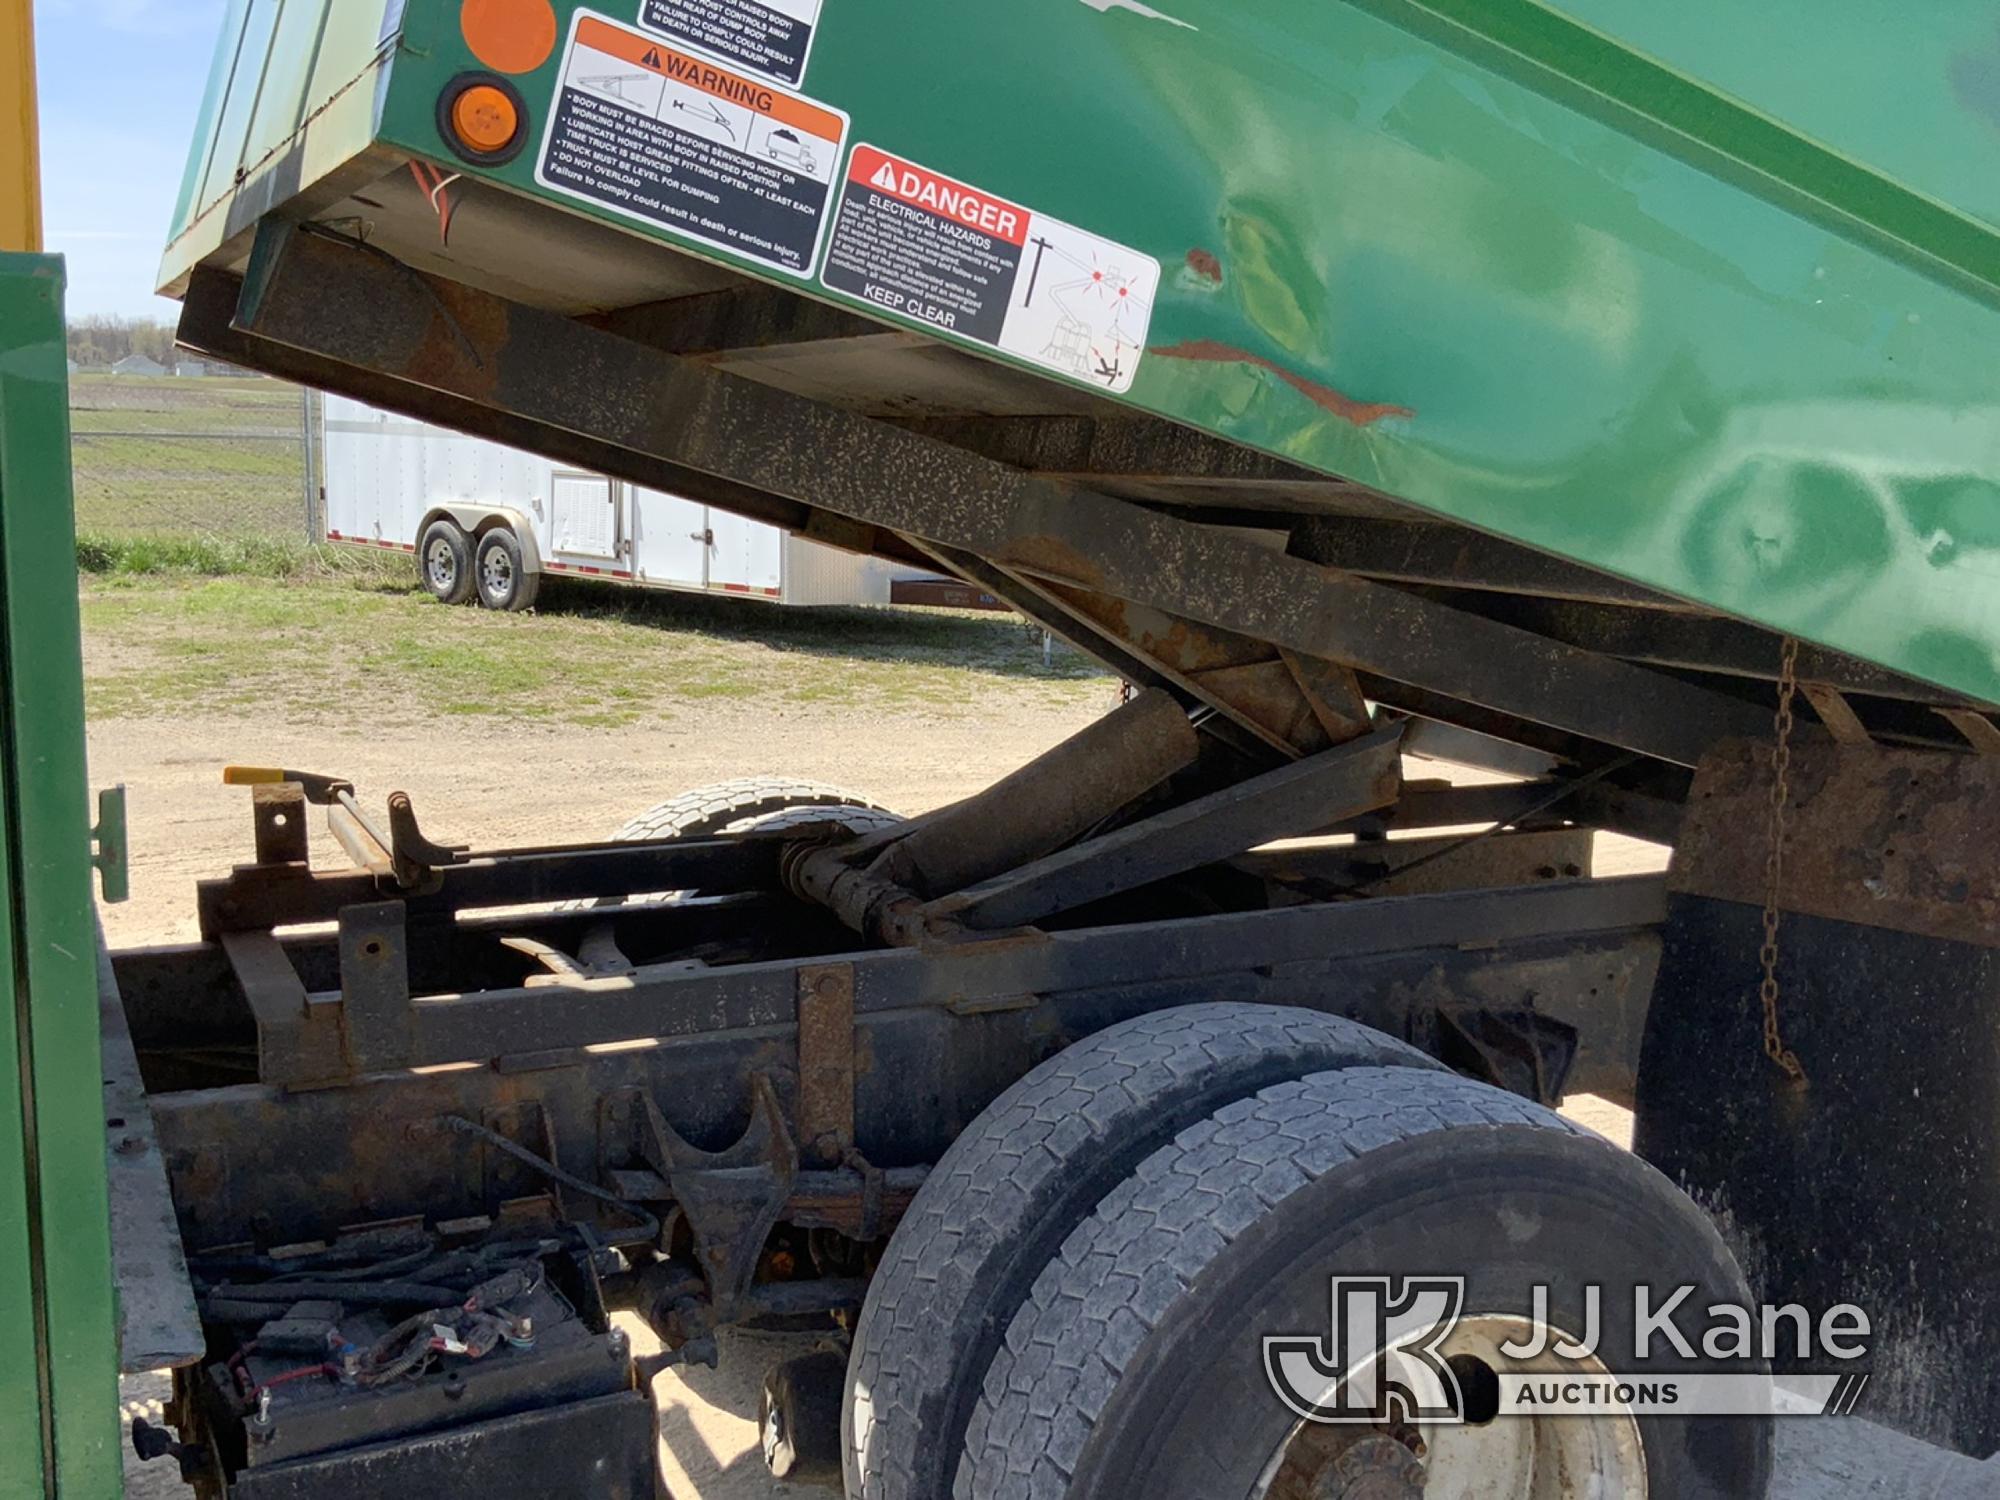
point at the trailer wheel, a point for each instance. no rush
(503, 576)
(1136, 1366)
(1030, 1169)
(444, 562)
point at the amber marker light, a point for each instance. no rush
(482, 119)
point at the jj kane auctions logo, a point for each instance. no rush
(1394, 1348)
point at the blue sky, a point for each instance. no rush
(120, 82)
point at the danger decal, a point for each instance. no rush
(772, 38)
(945, 254)
(690, 146)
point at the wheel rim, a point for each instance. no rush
(440, 565)
(1501, 1458)
(496, 572)
(772, 1437)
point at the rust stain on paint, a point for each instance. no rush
(1204, 264)
(1360, 413)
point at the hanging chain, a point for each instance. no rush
(1774, 868)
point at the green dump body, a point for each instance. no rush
(1706, 296)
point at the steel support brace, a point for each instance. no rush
(260, 898)
(1328, 788)
(826, 1061)
(421, 336)
(670, 1001)
(376, 1023)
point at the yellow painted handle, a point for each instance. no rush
(251, 775)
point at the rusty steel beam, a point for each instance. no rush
(1893, 838)
(1300, 798)
(1694, 643)
(210, 305)
(1103, 620)
(1107, 451)
(1979, 731)
(672, 1001)
(1057, 797)
(1836, 714)
(826, 1061)
(1438, 552)
(339, 301)
(258, 898)
(752, 321)
(1041, 606)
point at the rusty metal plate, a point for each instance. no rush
(1902, 839)
(826, 1060)
(279, 811)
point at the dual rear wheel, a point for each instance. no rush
(1078, 1301)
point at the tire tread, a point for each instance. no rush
(955, 1255)
(1124, 1270)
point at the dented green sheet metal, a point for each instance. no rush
(1700, 298)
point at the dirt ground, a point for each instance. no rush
(496, 783)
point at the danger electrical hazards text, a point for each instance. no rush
(926, 247)
(945, 254)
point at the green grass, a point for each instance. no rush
(222, 457)
(196, 555)
(308, 639)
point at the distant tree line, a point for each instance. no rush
(100, 342)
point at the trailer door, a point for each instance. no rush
(748, 556)
(669, 539)
(583, 517)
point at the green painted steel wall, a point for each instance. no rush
(1651, 300)
(276, 63)
(58, 1364)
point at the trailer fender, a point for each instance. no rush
(476, 520)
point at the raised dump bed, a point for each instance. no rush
(1484, 261)
(1596, 394)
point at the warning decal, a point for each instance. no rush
(771, 37)
(683, 144)
(951, 257)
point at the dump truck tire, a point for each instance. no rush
(753, 802)
(502, 574)
(444, 562)
(1136, 1367)
(1012, 1187)
(766, 804)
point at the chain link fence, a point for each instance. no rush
(217, 456)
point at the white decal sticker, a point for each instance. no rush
(942, 253)
(770, 37)
(681, 143)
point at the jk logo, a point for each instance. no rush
(1379, 1361)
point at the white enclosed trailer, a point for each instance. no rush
(487, 521)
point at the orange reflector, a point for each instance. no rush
(484, 118)
(509, 36)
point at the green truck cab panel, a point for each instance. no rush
(58, 1375)
(1699, 297)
